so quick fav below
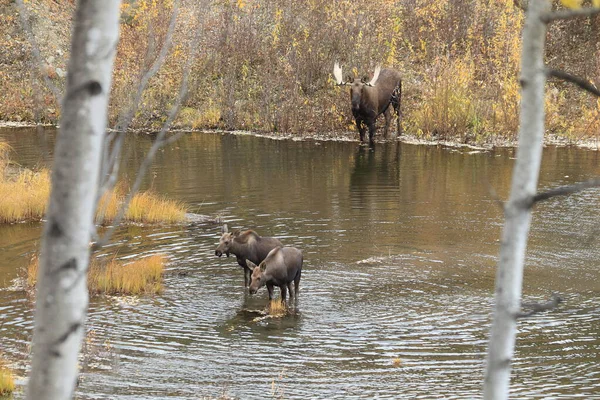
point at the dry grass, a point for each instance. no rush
(25, 196)
(149, 207)
(277, 308)
(143, 276)
(7, 380)
(145, 207)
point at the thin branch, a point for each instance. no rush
(569, 14)
(35, 50)
(536, 308)
(582, 83)
(566, 190)
(111, 158)
(158, 143)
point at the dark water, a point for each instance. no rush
(400, 248)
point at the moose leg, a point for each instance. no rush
(247, 276)
(361, 129)
(371, 132)
(388, 118)
(283, 292)
(297, 283)
(292, 293)
(270, 290)
(397, 104)
(247, 272)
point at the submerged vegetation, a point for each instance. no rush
(142, 276)
(7, 380)
(266, 66)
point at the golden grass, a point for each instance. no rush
(143, 276)
(277, 308)
(7, 380)
(145, 207)
(25, 196)
(149, 207)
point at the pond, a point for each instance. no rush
(400, 246)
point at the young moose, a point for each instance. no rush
(282, 266)
(246, 246)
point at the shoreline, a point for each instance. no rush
(349, 136)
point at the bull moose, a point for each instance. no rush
(282, 267)
(247, 245)
(373, 98)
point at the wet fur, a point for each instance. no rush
(370, 102)
(247, 245)
(282, 267)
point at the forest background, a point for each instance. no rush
(266, 65)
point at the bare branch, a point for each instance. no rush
(111, 157)
(582, 83)
(35, 50)
(569, 14)
(158, 143)
(566, 190)
(536, 308)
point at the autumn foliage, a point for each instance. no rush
(266, 65)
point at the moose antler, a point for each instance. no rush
(337, 73)
(375, 76)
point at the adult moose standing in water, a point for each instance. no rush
(373, 98)
(247, 245)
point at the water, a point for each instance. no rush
(400, 247)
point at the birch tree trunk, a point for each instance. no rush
(62, 296)
(517, 211)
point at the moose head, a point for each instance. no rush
(357, 85)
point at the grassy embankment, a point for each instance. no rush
(143, 276)
(25, 193)
(266, 66)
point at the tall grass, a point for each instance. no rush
(25, 196)
(145, 207)
(7, 380)
(448, 108)
(143, 276)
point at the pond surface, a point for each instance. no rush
(400, 247)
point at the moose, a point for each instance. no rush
(373, 98)
(282, 266)
(246, 246)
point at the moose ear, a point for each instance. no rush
(263, 266)
(236, 233)
(250, 265)
(224, 228)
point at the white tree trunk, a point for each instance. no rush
(62, 296)
(509, 275)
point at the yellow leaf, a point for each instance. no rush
(572, 3)
(596, 3)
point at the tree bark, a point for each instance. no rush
(62, 296)
(509, 276)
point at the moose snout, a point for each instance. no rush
(252, 291)
(218, 253)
